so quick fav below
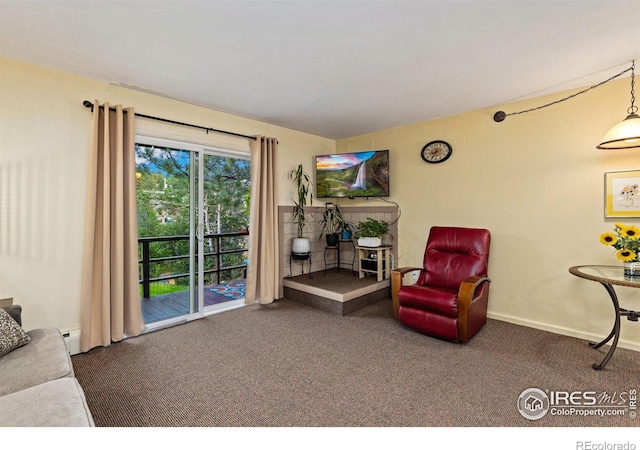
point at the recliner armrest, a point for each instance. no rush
(405, 270)
(468, 287)
(466, 294)
(396, 283)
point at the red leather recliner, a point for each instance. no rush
(449, 299)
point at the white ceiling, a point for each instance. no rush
(330, 68)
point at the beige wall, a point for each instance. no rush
(536, 182)
(44, 135)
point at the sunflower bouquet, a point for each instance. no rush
(626, 240)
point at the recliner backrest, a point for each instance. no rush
(453, 254)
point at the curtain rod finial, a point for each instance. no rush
(499, 116)
(87, 104)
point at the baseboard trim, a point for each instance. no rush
(622, 343)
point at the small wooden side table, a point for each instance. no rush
(374, 260)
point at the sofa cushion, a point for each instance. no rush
(58, 403)
(45, 358)
(12, 335)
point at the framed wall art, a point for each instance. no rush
(622, 194)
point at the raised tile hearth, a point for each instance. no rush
(338, 292)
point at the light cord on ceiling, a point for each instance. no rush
(501, 115)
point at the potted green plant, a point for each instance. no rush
(302, 182)
(371, 231)
(330, 222)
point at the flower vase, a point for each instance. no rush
(631, 269)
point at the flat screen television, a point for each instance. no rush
(360, 174)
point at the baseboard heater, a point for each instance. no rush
(72, 339)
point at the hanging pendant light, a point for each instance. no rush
(626, 134)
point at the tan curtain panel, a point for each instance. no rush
(111, 306)
(263, 273)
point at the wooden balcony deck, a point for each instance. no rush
(166, 306)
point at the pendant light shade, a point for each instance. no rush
(627, 133)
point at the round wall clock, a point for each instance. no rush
(436, 152)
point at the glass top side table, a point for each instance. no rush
(608, 276)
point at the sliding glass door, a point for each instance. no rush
(193, 227)
(225, 229)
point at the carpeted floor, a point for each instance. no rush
(289, 365)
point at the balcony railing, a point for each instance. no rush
(214, 260)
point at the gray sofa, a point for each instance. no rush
(37, 383)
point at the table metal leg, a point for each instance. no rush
(615, 332)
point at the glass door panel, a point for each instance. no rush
(193, 228)
(167, 192)
(225, 219)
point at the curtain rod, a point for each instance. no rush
(88, 104)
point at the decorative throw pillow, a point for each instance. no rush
(12, 335)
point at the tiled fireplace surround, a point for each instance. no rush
(352, 214)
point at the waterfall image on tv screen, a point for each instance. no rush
(361, 174)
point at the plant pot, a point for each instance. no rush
(300, 246)
(345, 235)
(332, 239)
(369, 242)
(631, 269)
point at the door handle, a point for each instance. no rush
(199, 232)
